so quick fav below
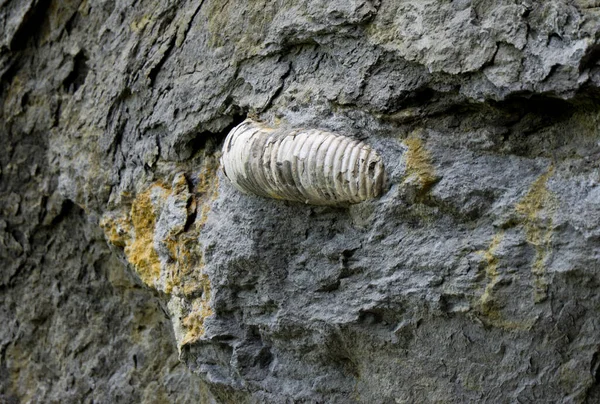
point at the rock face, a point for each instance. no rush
(473, 278)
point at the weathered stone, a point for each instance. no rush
(474, 278)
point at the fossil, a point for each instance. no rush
(304, 165)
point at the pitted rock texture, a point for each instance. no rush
(75, 327)
(473, 278)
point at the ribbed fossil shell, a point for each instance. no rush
(304, 165)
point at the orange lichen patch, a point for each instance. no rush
(418, 164)
(537, 208)
(194, 321)
(180, 270)
(140, 251)
(134, 231)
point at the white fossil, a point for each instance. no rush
(304, 165)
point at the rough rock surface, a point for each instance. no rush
(75, 327)
(474, 278)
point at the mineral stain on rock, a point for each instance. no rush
(538, 207)
(419, 167)
(159, 236)
(140, 251)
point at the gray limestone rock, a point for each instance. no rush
(473, 278)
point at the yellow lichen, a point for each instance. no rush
(487, 305)
(418, 164)
(116, 229)
(134, 231)
(185, 273)
(140, 252)
(194, 321)
(181, 274)
(486, 301)
(139, 25)
(186, 269)
(534, 207)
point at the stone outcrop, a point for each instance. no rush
(124, 248)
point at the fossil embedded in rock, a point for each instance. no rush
(304, 165)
